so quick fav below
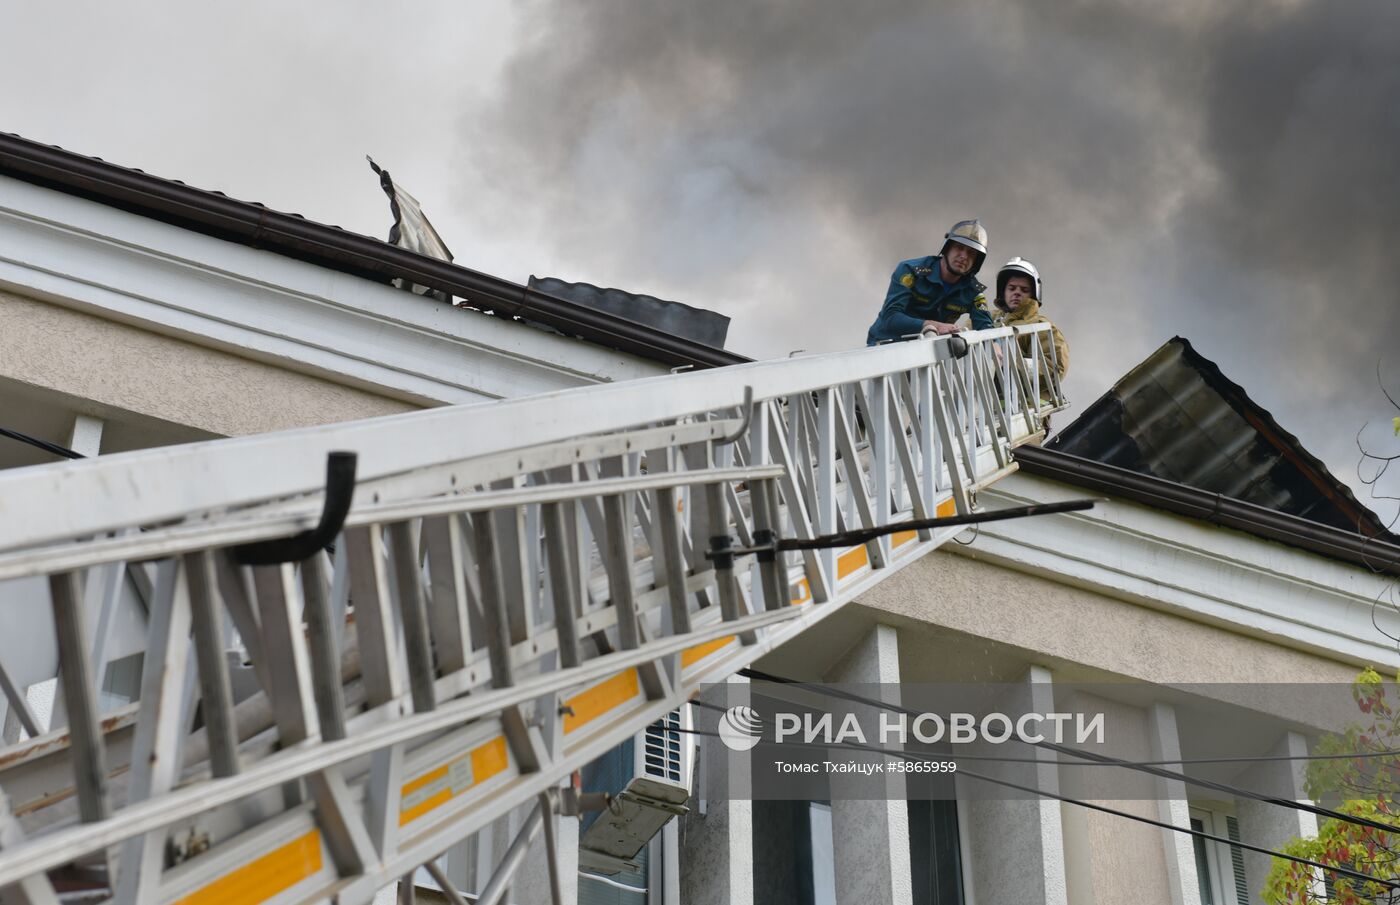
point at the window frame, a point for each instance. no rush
(1222, 870)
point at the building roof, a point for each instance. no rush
(248, 223)
(675, 318)
(1381, 555)
(1177, 417)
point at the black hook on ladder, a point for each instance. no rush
(340, 489)
(745, 421)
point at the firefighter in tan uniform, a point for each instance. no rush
(1018, 303)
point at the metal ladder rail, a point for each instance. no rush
(65, 503)
(297, 710)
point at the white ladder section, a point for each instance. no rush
(517, 587)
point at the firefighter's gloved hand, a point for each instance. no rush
(938, 328)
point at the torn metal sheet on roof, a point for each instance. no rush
(676, 318)
(1176, 416)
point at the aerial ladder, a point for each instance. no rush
(449, 612)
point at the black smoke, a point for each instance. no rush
(1228, 172)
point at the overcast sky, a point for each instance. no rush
(1228, 172)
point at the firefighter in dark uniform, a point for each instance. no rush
(929, 294)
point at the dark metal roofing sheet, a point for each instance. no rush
(676, 318)
(1176, 416)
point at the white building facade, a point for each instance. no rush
(127, 323)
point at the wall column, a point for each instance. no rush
(532, 879)
(1269, 825)
(86, 435)
(1179, 848)
(1016, 845)
(871, 838)
(717, 860)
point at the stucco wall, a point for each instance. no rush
(717, 854)
(1057, 622)
(1001, 615)
(134, 370)
(1115, 843)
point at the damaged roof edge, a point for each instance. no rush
(1260, 521)
(252, 224)
(1095, 434)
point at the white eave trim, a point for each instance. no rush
(261, 305)
(1203, 572)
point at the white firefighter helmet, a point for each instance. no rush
(1018, 266)
(971, 234)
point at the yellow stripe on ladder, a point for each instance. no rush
(594, 702)
(700, 651)
(437, 787)
(942, 510)
(265, 877)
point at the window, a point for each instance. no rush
(610, 773)
(823, 854)
(794, 852)
(1219, 867)
(934, 852)
(1205, 866)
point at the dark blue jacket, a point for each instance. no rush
(917, 294)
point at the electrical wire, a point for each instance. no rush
(865, 535)
(613, 883)
(916, 755)
(858, 536)
(976, 532)
(1107, 760)
(45, 445)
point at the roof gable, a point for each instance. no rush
(1176, 416)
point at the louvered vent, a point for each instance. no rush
(1232, 829)
(664, 742)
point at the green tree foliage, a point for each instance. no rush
(1368, 787)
